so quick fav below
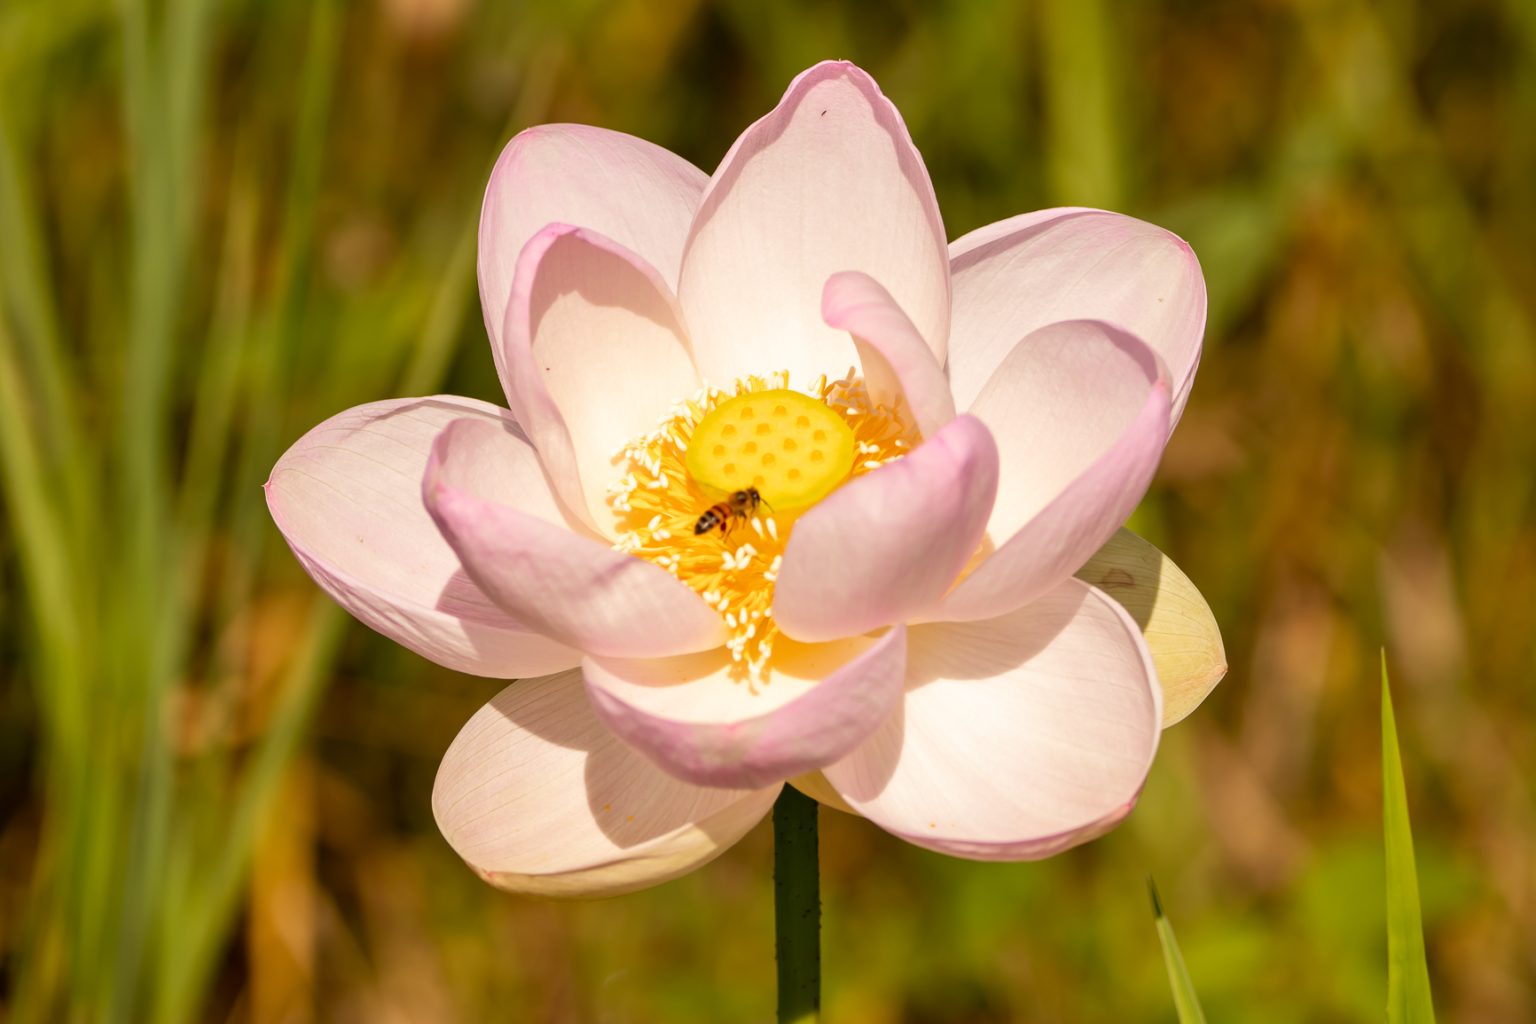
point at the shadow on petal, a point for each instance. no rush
(1021, 735)
(971, 650)
(631, 800)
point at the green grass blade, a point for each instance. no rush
(1185, 1001)
(29, 292)
(1408, 998)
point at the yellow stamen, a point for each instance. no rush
(689, 463)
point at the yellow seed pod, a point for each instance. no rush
(789, 446)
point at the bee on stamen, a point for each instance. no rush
(741, 505)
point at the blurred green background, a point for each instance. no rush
(222, 222)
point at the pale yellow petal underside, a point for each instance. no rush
(1180, 629)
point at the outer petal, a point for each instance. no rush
(828, 181)
(887, 545)
(569, 586)
(630, 190)
(1181, 632)
(899, 367)
(1080, 413)
(347, 498)
(1015, 276)
(699, 721)
(1019, 737)
(539, 797)
(595, 354)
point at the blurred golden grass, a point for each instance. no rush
(220, 224)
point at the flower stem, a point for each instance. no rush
(797, 907)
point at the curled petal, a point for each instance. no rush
(569, 586)
(1180, 630)
(828, 181)
(595, 355)
(1018, 737)
(700, 721)
(1080, 413)
(347, 498)
(899, 367)
(539, 797)
(629, 190)
(887, 545)
(1015, 276)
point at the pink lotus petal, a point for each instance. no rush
(702, 722)
(566, 585)
(539, 797)
(1020, 274)
(888, 544)
(1080, 413)
(898, 365)
(828, 181)
(595, 355)
(347, 498)
(625, 188)
(1019, 737)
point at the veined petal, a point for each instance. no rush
(887, 545)
(539, 797)
(569, 586)
(700, 721)
(1015, 276)
(1018, 737)
(347, 498)
(1080, 413)
(1180, 630)
(899, 367)
(627, 189)
(595, 355)
(828, 181)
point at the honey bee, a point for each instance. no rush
(740, 505)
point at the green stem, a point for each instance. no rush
(797, 907)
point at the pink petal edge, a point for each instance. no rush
(568, 586)
(595, 354)
(1066, 390)
(827, 181)
(1022, 273)
(887, 545)
(347, 499)
(900, 370)
(699, 723)
(630, 190)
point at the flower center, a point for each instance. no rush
(791, 448)
(712, 494)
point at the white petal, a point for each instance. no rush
(1020, 736)
(539, 797)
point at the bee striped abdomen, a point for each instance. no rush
(716, 515)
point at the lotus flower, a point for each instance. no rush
(911, 600)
